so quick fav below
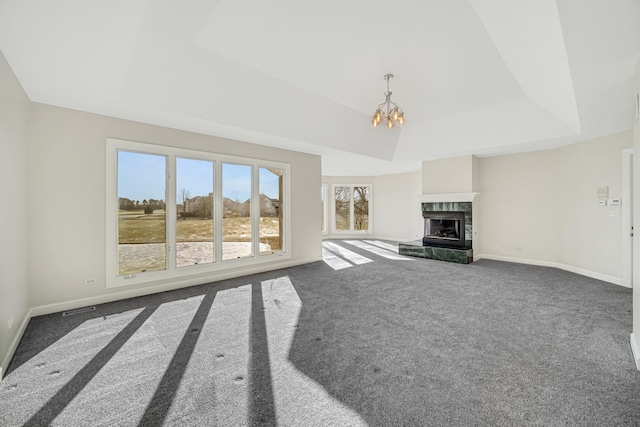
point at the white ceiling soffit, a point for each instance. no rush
(473, 76)
(531, 43)
(341, 50)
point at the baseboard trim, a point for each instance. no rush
(635, 350)
(581, 271)
(169, 286)
(14, 343)
(391, 238)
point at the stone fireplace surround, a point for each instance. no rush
(456, 202)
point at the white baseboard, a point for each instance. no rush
(581, 271)
(169, 286)
(14, 343)
(390, 238)
(635, 350)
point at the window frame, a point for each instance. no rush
(114, 280)
(325, 208)
(351, 229)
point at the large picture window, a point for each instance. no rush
(352, 208)
(175, 212)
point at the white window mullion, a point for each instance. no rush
(255, 210)
(218, 209)
(112, 211)
(171, 212)
(351, 211)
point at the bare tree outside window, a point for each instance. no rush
(343, 202)
(183, 198)
(361, 208)
(352, 207)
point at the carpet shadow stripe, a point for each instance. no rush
(70, 390)
(159, 406)
(261, 400)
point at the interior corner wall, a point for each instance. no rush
(14, 187)
(542, 207)
(475, 174)
(68, 194)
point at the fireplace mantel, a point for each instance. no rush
(449, 197)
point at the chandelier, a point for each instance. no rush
(388, 112)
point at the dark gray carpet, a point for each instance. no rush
(384, 342)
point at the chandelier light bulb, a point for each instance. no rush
(395, 114)
(390, 123)
(374, 122)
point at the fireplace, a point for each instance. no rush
(444, 229)
(448, 229)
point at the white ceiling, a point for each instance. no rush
(481, 77)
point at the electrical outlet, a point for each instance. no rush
(10, 323)
(518, 249)
(588, 260)
(494, 248)
(90, 281)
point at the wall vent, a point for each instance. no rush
(78, 311)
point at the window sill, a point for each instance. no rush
(201, 271)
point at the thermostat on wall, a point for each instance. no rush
(602, 193)
(602, 203)
(614, 203)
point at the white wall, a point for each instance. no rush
(14, 188)
(587, 231)
(450, 175)
(67, 193)
(635, 336)
(542, 206)
(397, 211)
(517, 197)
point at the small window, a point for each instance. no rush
(352, 208)
(343, 208)
(361, 208)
